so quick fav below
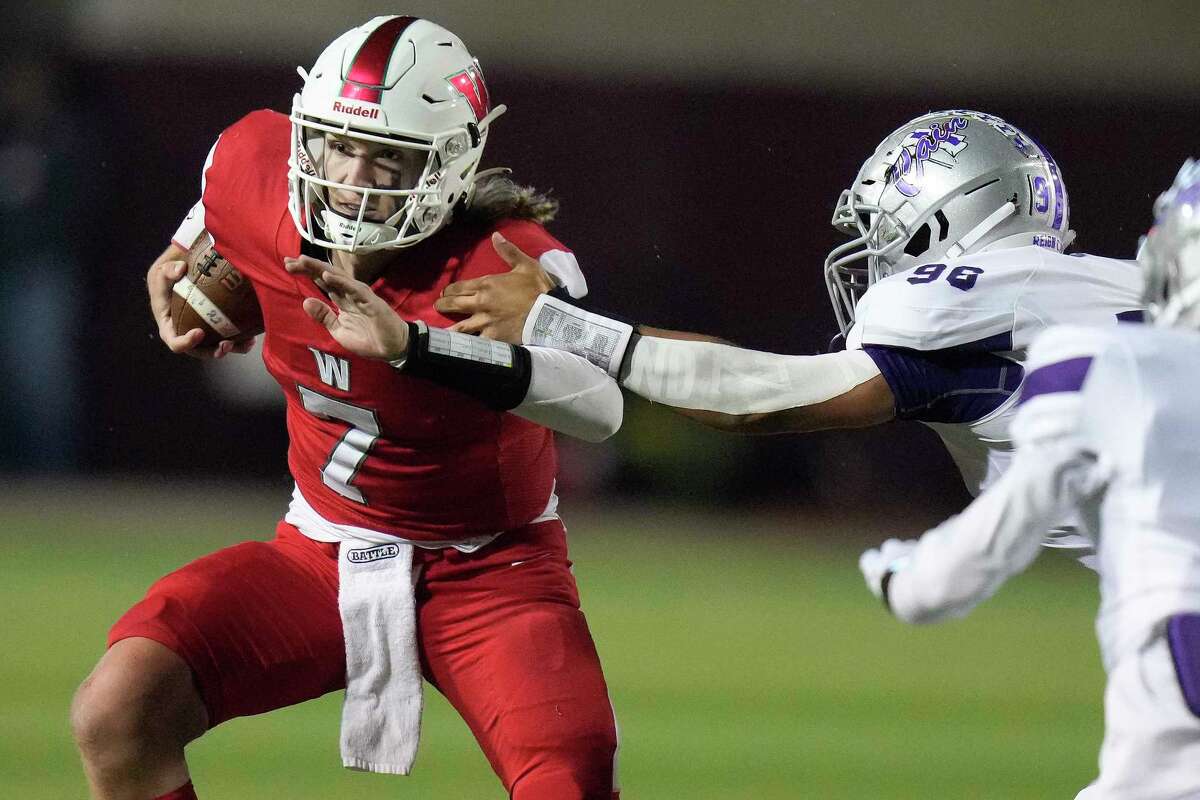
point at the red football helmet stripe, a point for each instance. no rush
(484, 96)
(364, 78)
(470, 85)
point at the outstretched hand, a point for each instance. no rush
(495, 306)
(363, 323)
(891, 556)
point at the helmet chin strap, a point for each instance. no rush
(353, 233)
(969, 239)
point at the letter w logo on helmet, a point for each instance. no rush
(469, 83)
(365, 77)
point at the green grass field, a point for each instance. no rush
(745, 660)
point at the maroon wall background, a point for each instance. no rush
(697, 208)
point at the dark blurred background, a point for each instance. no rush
(697, 150)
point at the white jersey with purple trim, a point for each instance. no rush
(1137, 411)
(1107, 425)
(992, 302)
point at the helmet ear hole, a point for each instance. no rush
(919, 242)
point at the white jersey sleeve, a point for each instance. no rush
(193, 224)
(958, 564)
(571, 395)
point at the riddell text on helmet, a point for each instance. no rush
(358, 111)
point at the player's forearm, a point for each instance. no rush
(709, 376)
(966, 559)
(558, 390)
(685, 336)
(716, 383)
(867, 404)
(570, 395)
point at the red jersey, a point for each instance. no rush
(369, 446)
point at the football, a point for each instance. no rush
(214, 297)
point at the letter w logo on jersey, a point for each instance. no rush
(469, 83)
(334, 371)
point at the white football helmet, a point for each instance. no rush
(397, 81)
(1171, 254)
(941, 186)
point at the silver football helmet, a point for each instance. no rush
(397, 82)
(941, 186)
(1171, 254)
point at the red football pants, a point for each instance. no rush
(500, 631)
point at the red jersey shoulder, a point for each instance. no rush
(246, 193)
(533, 240)
(264, 133)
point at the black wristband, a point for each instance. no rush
(561, 293)
(627, 359)
(495, 373)
(885, 583)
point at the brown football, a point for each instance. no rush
(214, 297)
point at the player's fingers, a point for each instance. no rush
(320, 312)
(512, 255)
(185, 343)
(223, 348)
(343, 284)
(244, 346)
(472, 324)
(347, 292)
(306, 265)
(464, 287)
(459, 304)
(160, 281)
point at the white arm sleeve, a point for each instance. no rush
(570, 395)
(963, 561)
(719, 377)
(1058, 466)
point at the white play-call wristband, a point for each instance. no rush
(559, 325)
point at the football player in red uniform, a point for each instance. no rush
(422, 539)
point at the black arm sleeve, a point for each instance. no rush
(495, 373)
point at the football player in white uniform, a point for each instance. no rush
(1107, 426)
(957, 224)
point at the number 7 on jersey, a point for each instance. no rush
(351, 450)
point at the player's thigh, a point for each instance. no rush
(503, 638)
(257, 623)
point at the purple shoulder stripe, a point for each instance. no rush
(1061, 376)
(1183, 636)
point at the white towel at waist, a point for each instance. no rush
(381, 713)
